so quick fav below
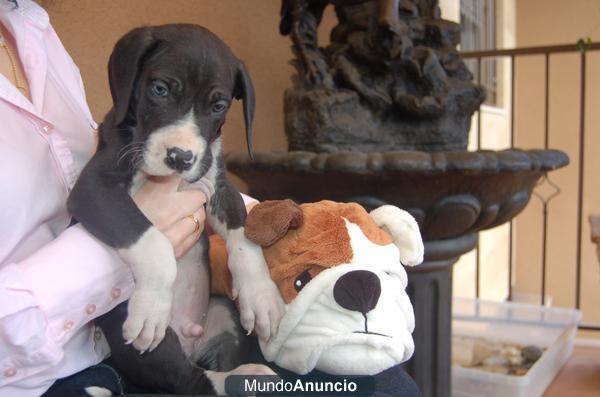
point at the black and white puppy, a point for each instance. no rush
(172, 86)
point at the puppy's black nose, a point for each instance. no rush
(178, 159)
(358, 290)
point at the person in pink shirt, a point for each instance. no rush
(55, 279)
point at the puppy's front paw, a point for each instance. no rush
(147, 320)
(261, 308)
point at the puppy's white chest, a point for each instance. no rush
(191, 294)
(191, 290)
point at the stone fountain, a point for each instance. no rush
(381, 116)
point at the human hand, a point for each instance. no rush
(173, 212)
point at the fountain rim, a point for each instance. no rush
(478, 162)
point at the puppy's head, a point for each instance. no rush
(172, 86)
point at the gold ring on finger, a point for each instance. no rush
(196, 221)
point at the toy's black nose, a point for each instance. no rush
(178, 159)
(358, 290)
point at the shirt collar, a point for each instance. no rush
(27, 9)
(27, 24)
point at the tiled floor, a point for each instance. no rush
(580, 377)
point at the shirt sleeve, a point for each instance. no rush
(51, 294)
(248, 199)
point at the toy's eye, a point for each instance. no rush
(219, 106)
(159, 88)
(302, 280)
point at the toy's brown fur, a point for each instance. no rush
(271, 220)
(292, 244)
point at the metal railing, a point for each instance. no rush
(546, 52)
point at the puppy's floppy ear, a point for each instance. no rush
(124, 66)
(244, 90)
(269, 221)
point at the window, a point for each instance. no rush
(478, 32)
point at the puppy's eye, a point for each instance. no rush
(302, 280)
(159, 88)
(219, 107)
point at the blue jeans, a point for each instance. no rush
(101, 375)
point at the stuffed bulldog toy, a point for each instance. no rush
(339, 270)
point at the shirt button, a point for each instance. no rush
(46, 128)
(68, 325)
(90, 309)
(115, 293)
(97, 334)
(10, 372)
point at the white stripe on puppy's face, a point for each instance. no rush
(183, 135)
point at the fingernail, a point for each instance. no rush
(129, 342)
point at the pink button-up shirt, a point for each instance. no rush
(53, 280)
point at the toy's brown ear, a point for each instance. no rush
(269, 221)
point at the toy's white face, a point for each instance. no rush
(351, 319)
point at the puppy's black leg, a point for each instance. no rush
(100, 201)
(165, 369)
(224, 348)
(260, 303)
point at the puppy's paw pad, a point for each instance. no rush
(131, 329)
(144, 340)
(247, 318)
(146, 325)
(261, 309)
(150, 337)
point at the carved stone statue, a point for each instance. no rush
(390, 79)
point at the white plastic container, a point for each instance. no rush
(551, 328)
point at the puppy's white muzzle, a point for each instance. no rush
(175, 148)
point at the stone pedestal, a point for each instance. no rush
(430, 291)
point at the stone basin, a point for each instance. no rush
(451, 194)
